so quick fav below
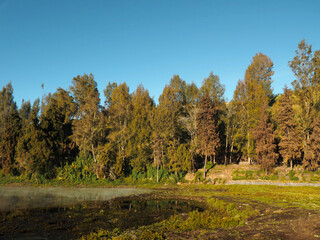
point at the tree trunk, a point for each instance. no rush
(205, 165)
(248, 148)
(226, 149)
(157, 172)
(291, 164)
(93, 154)
(231, 150)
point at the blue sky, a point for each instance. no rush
(146, 42)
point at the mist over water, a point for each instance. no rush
(69, 213)
(36, 197)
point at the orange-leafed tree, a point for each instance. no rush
(207, 134)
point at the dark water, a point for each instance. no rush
(73, 220)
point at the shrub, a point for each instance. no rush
(243, 175)
(198, 177)
(292, 176)
(79, 171)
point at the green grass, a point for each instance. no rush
(244, 175)
(228, 206)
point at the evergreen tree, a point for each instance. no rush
(24, 111)
(34, 154)
(56, 123)
(7, 103)
(11, 127)
(207, 134)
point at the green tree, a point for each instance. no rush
(7, 103)
(239, 135)
(34, 155)
(108, 91)
(230, 130)
(119, 113)
(25, 110)
(140, 142)
(188, 121)
(179, 157)
(212, 87)
(56, 123)
(250, 95)
(306, 88)
(10, 125)
(158, 151)
(88, 123)
(207, 134)
(166, 121)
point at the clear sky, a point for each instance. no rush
(52, 41)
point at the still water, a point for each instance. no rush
(69, 213)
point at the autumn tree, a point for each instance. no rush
(215, 90)
(265, 138)
(207, 134)
(312, 158)
(288, 130)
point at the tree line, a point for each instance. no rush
(71, 130)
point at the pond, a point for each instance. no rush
(69, 213)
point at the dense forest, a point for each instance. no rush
(71, 134)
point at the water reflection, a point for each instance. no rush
(36, 214)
